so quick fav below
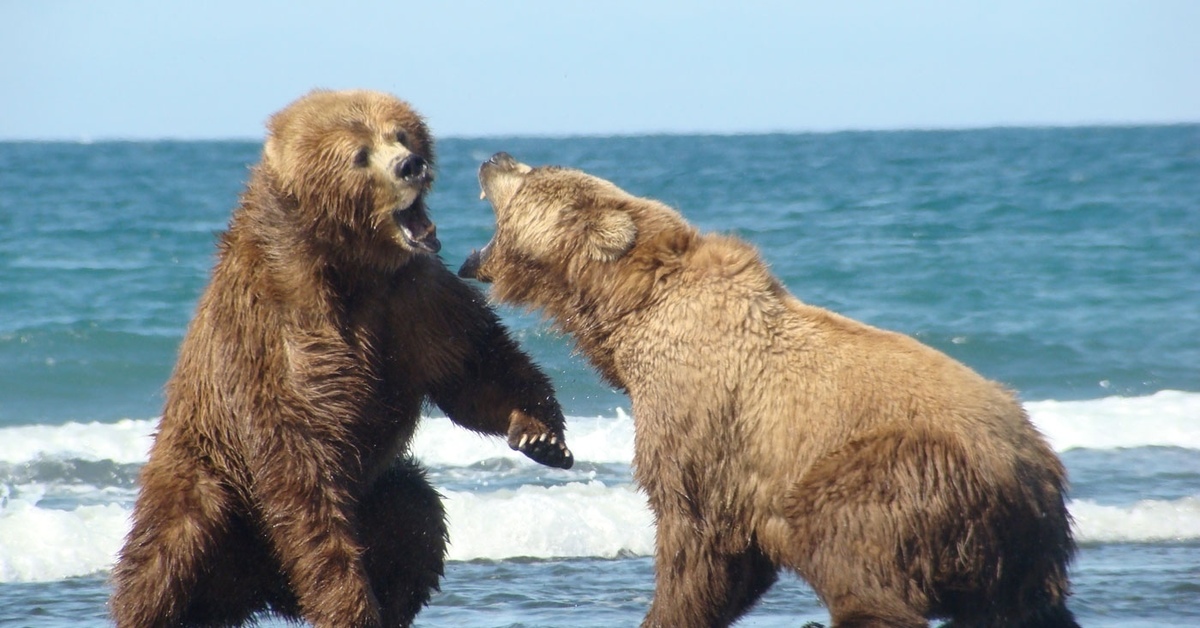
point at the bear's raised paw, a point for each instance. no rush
(535, 439)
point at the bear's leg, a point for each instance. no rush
(180, 512)
(241, 579)
(404, 534)
(751, 574)
(872, 527)
(911, 523)
(697, 584)
(1056, 617)
(308, 516)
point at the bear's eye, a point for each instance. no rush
(402, 137)
(362, 157)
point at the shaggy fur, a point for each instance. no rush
(278, 480)
(896, 481)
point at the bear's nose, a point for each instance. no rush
(412, 168)
(504, 160)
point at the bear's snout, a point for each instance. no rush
(470, 267)
(504, 160)
(413, 169)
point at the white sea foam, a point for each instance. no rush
(572, 520)
(1166, 418)
(124, 442)
(1147, 521)
(438, 442)
(549, 522)
(40, 544)
(43, 538)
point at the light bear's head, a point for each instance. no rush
(561, 231)
(356, 165)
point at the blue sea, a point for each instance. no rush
(1064, 262)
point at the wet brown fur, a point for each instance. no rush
(770, 433)
(279, 480)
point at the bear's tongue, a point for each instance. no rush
(418, 230)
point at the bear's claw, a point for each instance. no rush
(530, 437)
(545, 449)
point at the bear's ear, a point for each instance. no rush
(271, 152)
(608, 235)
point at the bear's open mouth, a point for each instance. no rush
(470, 267)
(417, 229)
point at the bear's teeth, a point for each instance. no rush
(482, 195)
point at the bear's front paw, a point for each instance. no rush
(532, 438)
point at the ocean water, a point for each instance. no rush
(1062, 262)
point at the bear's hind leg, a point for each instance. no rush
(404, 533)
(1056, 617)
(866, 536)
(180, 513)
(242, 579)
(913, 522)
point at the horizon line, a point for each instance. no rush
(101, 139)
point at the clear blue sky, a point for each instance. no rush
(73, 69)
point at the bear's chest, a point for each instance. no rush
(405, 338)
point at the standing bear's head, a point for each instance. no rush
(354, 167)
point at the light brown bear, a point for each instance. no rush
(279, 479)
(769, 433)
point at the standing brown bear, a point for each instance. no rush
(896, 481)
(279, 479)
